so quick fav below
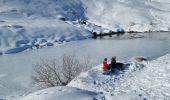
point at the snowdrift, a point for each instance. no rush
(63, 93)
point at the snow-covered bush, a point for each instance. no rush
(49, 73)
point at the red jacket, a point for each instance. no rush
(105, 65)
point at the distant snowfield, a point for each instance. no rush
(30, 24)
(131, 15)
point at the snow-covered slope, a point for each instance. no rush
(63, 93)
(131, 15)
(26, 23)
(71, 10)
(139, 82)
(23, 34)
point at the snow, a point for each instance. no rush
(20, 36)
(63, 93)
(94, 80)
(33, 24)
(121, 13)
(146, 80)
(24, 24)
(27, 20)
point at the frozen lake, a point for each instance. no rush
(15, 69)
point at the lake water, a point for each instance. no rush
(16, 69)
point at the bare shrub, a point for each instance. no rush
(54, 72)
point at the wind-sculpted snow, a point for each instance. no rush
(142, 81)
(63, 93)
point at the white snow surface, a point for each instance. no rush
(26, 23)
(63, 93)
(24, 34)
(146, 80)
(135, 15)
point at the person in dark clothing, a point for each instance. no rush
(113, 63)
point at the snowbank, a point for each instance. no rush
(63, 93)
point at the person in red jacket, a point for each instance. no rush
(105, 65)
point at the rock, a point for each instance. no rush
(50, 44)
(139, 58)
(18, 49)
(21, 42)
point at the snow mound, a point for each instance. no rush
(63, 93)
(95, 80)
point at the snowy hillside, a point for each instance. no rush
(63, 93)
(131, 15)
(149, 80)
(140, 81)
(29, 24)
(26, 34)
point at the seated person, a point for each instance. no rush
(113, 63)
(105, 65)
